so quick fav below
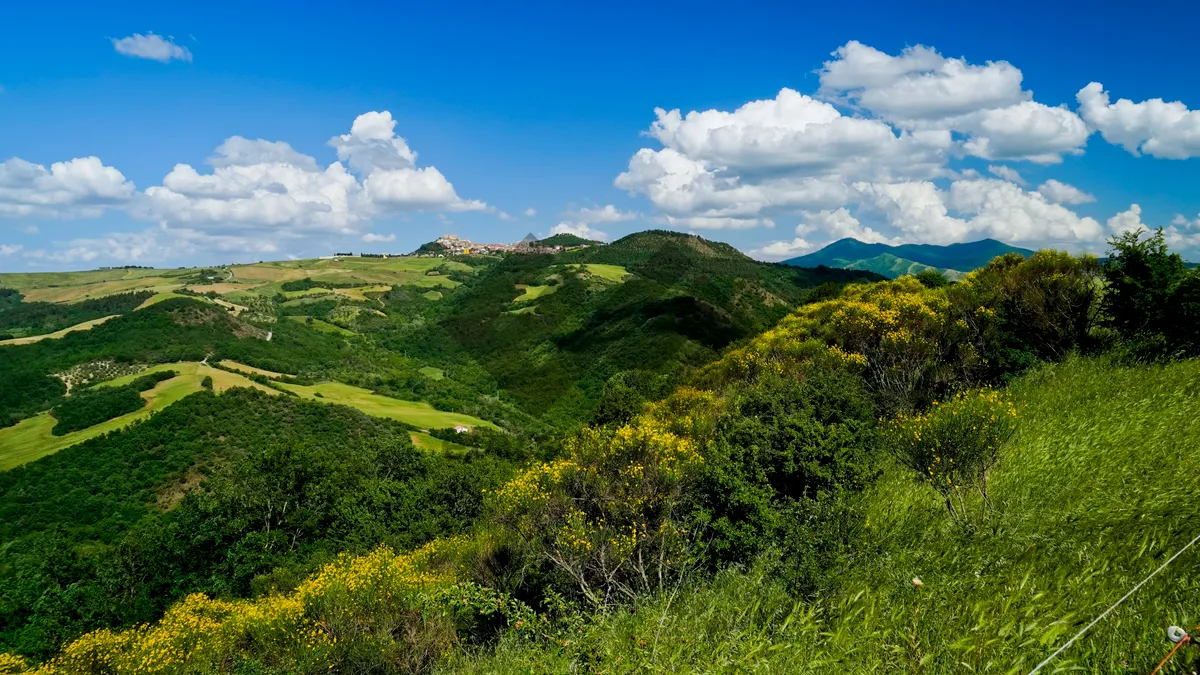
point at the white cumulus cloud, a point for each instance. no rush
(1062, 193)
(1155, 127)
(151, 46)
(921, 89)
(81, 187)
(1007, 173)
(604, 214)
(372, 238)
(579, 230)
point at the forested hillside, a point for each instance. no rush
(684, 461)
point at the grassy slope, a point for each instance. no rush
(234, 365)
(610, 272)
(31, 439)
(533, 292)
(321, 325)
(1098, 488)
(86, 325)
(418, 414)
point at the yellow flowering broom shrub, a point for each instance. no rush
(954, 444)
(607, 516)
(906, 340)
(377, 612)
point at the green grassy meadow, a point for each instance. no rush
(531, 293)
(418, 414)
(321, 325)
(1100, 486)
(610, 272)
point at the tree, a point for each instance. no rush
(1152, 300)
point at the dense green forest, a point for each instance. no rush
(704, 464)
(19, 319)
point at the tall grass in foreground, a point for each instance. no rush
(1099, 486)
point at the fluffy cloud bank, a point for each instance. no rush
(255, 196)
(81, 187)
(875, 154)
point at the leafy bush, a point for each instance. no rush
(1152, 299)
(932, 278)
(1024, 310)
(954, 444)
(778, 472)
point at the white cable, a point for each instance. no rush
(1114, 606)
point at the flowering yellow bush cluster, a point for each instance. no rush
(606, 515)
(906, 339)
(954, 444)
(393, 611)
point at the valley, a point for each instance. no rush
(587, 442)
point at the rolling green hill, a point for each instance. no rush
(564, 240)
(893, 261)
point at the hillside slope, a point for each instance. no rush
(552, 329)
(1092, 496)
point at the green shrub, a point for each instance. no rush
(207, 382)
(780, 469)
(932, 278)
(1024, 310)
(1152, 299)
(954, 444)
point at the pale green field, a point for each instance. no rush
(524, 310)
(432, 295)
(71, 286)
(30, 339)
(416, 413)
(431, 444)
(360, 292)
(323, 326)
(533, 292)
(234, 365)
(610, 272)
(433, 373)
(377, 271)
(31, 439)
(159, 297)
(308, 292)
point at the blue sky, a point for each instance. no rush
(534, 117)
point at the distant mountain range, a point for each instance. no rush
(955, 260)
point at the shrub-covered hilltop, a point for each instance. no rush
(895, 476)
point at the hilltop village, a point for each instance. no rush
(452, 244)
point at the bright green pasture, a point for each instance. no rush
(416, 413)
